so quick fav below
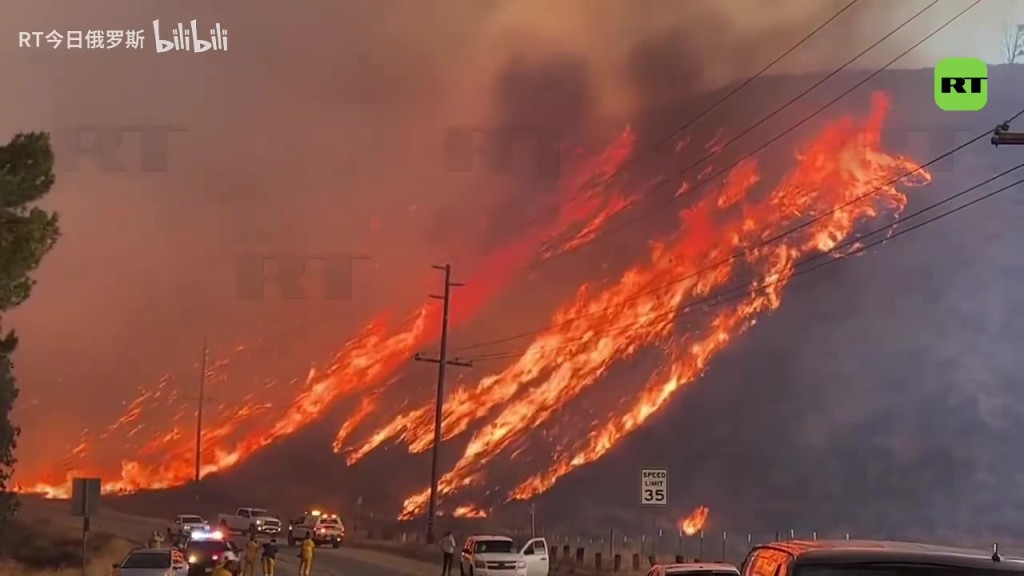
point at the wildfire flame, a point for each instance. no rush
(645, 311)
(695, 521)
(586, 199)
(469, 511)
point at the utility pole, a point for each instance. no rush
(1003, 137)
(442, 362)
(199, 418)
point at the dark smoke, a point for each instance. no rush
(319, 131)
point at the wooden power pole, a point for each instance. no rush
(442, 362)
(199, 418)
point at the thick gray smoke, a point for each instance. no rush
(320, 131)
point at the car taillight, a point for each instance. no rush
(214, 557)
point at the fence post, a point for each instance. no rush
(643, 543)
(725, 538)
(636, 561)
(580, 553)
(749, 545)
(679, 544)
(792, 534)
(657, 543)
(617, 562)
(611, 542)
(701, 544)
(814, 535)
(597, 561)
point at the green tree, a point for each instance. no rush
(27, 234)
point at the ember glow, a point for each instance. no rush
(469, 511)
(695, 521)
(646, 312)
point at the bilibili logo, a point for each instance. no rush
(961, 84)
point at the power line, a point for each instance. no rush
(747, 250)
(657, 208)
(837, 251)
(678, 131)
(739, 253)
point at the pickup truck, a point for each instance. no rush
(250, 521)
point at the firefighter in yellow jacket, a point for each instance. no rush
(306, 556)
(252, 554)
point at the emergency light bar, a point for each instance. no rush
(203, 535)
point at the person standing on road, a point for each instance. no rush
(252, 552)
(269, 557)
(306, 555)
(447, 545)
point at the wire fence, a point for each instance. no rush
(616, 551)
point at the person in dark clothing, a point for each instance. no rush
(447, 545)
(269, 557)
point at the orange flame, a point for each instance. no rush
(695, 521)
(362, 365)
(469, 511)
(601, 326)
(842, 164)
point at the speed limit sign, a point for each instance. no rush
(654, 486)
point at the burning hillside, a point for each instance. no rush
(673, 303)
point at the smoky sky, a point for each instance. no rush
(317, 132)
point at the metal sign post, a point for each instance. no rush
(533, 520)
(85, 502)
(654, 492)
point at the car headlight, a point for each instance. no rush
(520, 564)
(258, 522)
(192, 559)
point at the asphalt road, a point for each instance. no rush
(327, 561)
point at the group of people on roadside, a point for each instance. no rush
(255, 554)
(266, 554)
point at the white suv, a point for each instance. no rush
(499, 556)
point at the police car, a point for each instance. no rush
(152, 562)
(323, 528)
(205, 548)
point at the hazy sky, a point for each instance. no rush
(319, 130)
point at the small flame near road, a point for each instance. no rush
(695, 522)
